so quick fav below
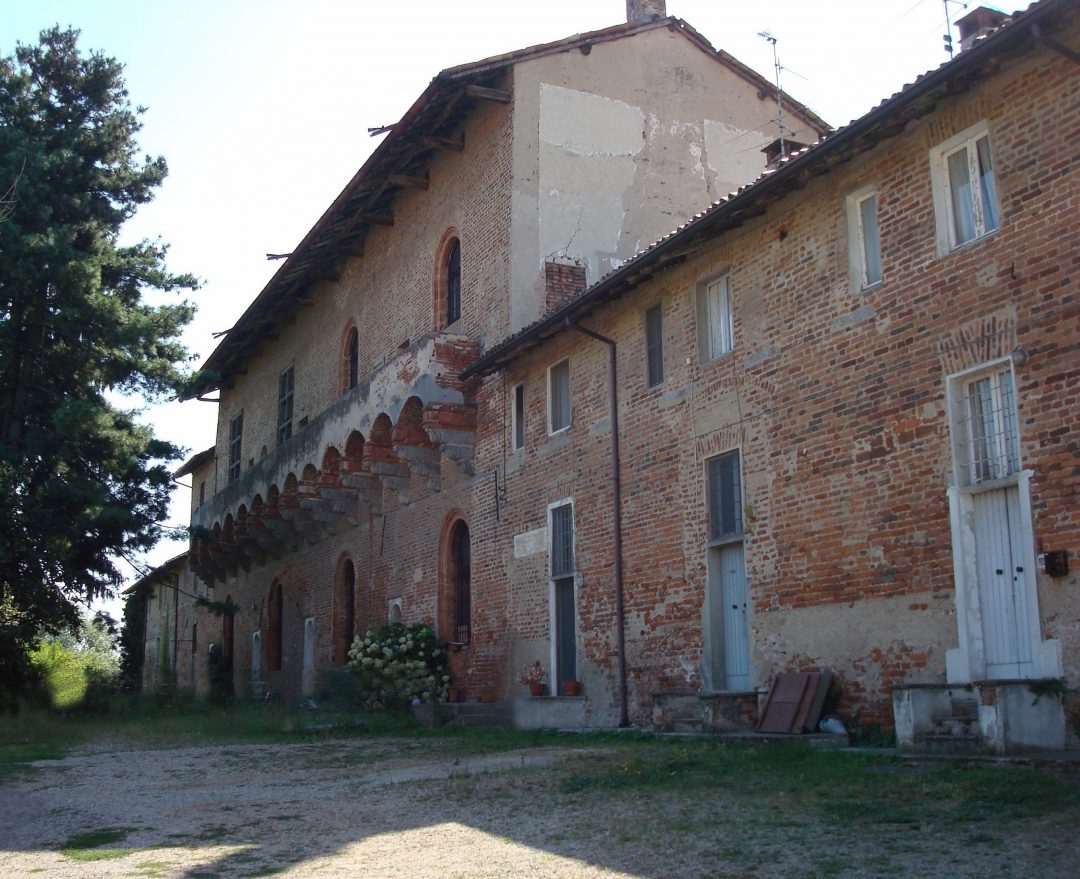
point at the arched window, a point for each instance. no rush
(460, 579)
(344, 610)
(350, 367)
(453, 283)
(274, 611)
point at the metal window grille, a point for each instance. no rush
(989, 441)
(725, 496)
(236, 432)
(562, 541)
(654, 344)
(285, 405)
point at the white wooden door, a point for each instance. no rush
(1006, 585)
(733, 596)
(307, 681)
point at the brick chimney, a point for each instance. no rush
(976, 23)
(564, 279)
(644, 11)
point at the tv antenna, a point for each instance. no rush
(779, 120)
(948, 24)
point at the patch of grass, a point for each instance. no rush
(88, 846)
(266, 871)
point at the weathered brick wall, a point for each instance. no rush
(389, 292)
(836, 400)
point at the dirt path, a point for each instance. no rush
(413, 808)
(327, 809)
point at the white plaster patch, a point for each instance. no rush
(530, 543)
(589, 125)
(733, 154)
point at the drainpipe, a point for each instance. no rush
(616, 487)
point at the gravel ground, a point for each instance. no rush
(384, 807)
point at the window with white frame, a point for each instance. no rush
(864, 241)
(986, 442)
(716, 331)
(517, 418)
(236, 433)
(965, 189)
(559, 396)
(654, 346)
(563, 565)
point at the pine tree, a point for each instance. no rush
(81, 481)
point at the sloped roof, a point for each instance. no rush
(887, 120)
(195, 462)
(155, 575)
(434, 119)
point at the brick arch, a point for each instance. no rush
(451, 238)
(349, 372)
(290, 492)
(241, 521)
(228, 631)
(353, 460)
(330, 472)
(409, 430)
(379, 446)
(227, 529)
(454, 608)
(309, 480)
(343, 623)
(273, 502)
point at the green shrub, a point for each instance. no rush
(397, 664)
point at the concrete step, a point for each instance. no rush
(937, 743)
(477, 714)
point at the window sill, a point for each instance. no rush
(724, 355)
(726, 540)
(560, 431)
(967, 245)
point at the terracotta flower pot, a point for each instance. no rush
(537, 689)
(571, 688)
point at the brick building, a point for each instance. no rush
(846, 409)
(342, 487)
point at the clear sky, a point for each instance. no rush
(262, 108)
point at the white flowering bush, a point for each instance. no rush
(397, 664)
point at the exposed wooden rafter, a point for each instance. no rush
(444, 143)
(408, 182)
(482, 93)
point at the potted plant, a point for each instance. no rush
(571, 688)
(533, 678)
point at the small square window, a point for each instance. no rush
(864, 242)
(965, 189)
(654, 346)
(517, 418)
(716, 331)
(559, 397)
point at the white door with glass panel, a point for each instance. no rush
(726, 624)
(988, 461)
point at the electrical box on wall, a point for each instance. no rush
(1055, 563)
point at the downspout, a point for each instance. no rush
(616, 487)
